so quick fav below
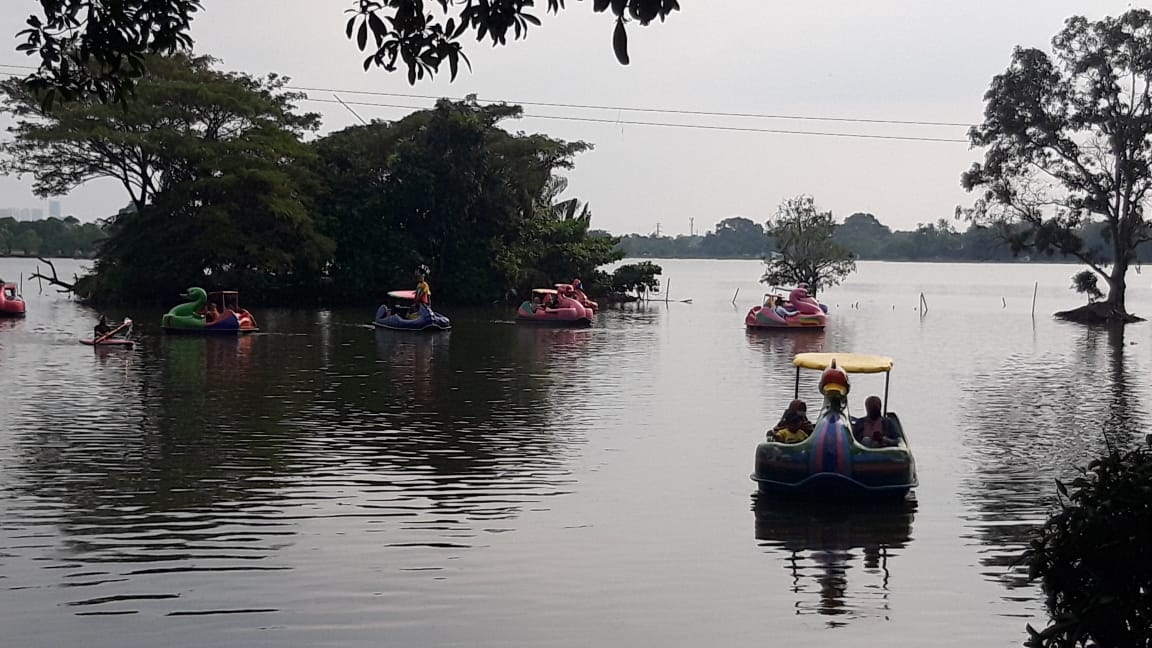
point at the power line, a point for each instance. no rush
(662, 111)
(630, 122)
(666, 111)
(711, 127)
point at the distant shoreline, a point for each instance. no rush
(933, 260)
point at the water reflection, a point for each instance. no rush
(824, 544)
(1032, 419)
(784, 344)
(145, 472)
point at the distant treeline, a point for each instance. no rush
(51, 237)
(867, 237)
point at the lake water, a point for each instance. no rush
(325, 484)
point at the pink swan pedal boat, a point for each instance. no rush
(550, 306)
(796, 311)
(576, 291)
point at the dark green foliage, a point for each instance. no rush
(99, 47)
(52, 237)
(212, 163)
(805, 251)
(638, 277)
(1084, 282)
(1067, 144)
(449, 188)
(1094, 557)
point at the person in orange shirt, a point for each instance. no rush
(423, 292)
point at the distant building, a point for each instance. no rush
(54, 209)
(23, 213)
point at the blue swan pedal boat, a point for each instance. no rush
(396, 317)
(831, 462)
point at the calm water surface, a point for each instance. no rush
(324, 484)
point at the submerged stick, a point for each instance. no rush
(734, 297)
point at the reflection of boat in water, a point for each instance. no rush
(824, 543)
(831, 462)
(786, 344)
(411, 359)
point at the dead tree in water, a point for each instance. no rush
(62, 286)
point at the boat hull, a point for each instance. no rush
(570, 313)
(11, 303)
(228, 323)
(113, 342)
(830, 463)
(429, 321)
(760, 317)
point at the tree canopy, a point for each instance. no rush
(210, 160)
(805, 251)
(99, 47)
(1067, 144)
(449, 188)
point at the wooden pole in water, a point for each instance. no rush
(923, 305)
(734, 297)
(1035, 287)
(667, 289)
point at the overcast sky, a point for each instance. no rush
(883, 59)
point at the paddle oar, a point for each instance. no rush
(110, 333)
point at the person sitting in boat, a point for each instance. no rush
(794, 426)
(423, 293)
(875, 430)
(212, 313)
(101, 329)
(578, 288)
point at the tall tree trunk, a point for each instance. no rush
(1117, 285)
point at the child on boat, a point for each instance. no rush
(875, 430)
(794, 425)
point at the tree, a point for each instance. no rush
(1093, 557)
(639, 277)
(735, 237)
(863, 234)
(28, 242)
(210, 160)
(1067, 141)
(805, 251)
(1084, 282)
(558, 246)
(99, 47)
(450, 188)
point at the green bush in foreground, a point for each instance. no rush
(1094, 557)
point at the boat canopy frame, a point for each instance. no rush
(847, 362)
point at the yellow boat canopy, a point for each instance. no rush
(850, 362)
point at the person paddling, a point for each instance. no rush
(101, 329)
